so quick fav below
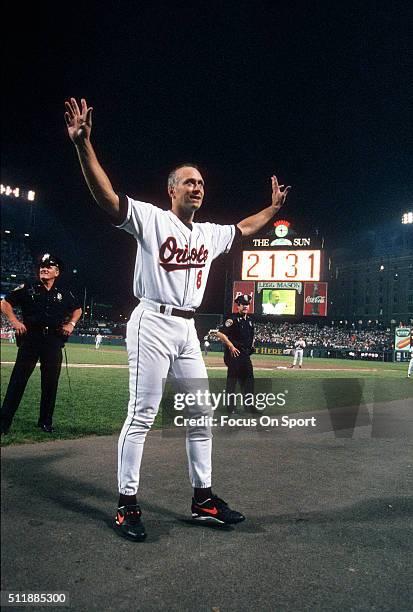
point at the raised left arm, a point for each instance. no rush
(251, 225)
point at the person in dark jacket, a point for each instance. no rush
(237, 333)
(49, 314)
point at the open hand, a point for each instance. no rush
(78, 120)
(279, 193)
(233, 350)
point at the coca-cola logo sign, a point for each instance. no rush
(315, 299)
(318, 299)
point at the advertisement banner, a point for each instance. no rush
(402, 339)
(243, 288)
(280, 285)
(315, 299)
(278, 302)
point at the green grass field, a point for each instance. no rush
(97, 404)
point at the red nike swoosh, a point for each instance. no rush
(120, 519)
(212, 511)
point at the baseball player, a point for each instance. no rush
(173, 260)
(410, 368)
(98, 340)
(299, 347)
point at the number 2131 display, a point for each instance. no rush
(302, 265)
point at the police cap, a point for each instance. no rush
(47, 259)
(243, 300)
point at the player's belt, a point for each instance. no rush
(176, 312)
(166, 310)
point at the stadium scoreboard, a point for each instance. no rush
(281, 265)
(283, 272)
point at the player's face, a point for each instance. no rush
(274, 297)
(48, 272)
(188, 192)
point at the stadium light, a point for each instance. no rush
(17, 192)
(27, 235)
(407, 218)
(7, 231)
(9, 191)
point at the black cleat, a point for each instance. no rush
(128, 523)
(215, 510)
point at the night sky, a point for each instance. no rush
(318, 93)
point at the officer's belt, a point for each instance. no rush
(167, 310)
(43, 329)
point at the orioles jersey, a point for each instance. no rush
(173, 259)
(300, 344)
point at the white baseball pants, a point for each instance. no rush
(298, 356)
(158, 345)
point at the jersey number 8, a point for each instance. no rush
(199, 279)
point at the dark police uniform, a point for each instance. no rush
(239, 329)
(44, 311)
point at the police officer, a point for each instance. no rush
(49, 314)
(237, 334)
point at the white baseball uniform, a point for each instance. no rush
(275, 309)
(410, 368)
(98, 340)
(173, 261)
(299, 352)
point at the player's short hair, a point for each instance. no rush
(172, 178)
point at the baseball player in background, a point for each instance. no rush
(98, 340)
(410, 368)
(299, 347)
(173, 260)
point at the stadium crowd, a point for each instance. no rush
(323, 336)
(16, 258)
(284, 334)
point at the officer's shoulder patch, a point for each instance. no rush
(228, 322)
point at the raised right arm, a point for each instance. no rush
(79, 126)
